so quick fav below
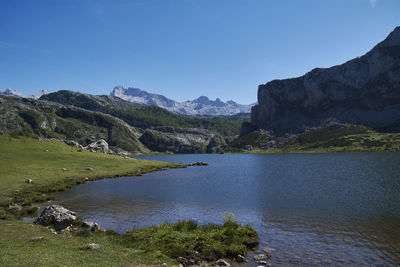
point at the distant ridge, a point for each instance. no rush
(200, 106)
(12, 92)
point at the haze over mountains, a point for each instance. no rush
(200, 106)
(12, 92)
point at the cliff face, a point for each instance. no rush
(365, 90)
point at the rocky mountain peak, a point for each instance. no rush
(365, 91)
(11, 92)
(200, 106)
(393, 38)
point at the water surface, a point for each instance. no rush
(309, 209)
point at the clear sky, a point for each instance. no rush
(182, 48)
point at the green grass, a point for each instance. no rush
(43, 161)
(188, 240)
(344, 138)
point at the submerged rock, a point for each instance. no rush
(57, 216)
(198, 164)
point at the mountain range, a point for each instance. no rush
(12, 92)
(200, 106)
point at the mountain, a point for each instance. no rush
(51, 119)
(199, 106)
(144, 116)
(362, 91)
(40, 93)
(11, 92)
(38, 118)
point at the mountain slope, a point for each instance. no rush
(364, 91)
(199, 106)
(143, 116)
(30, 117)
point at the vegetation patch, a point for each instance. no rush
(337, 138)
(195, 243)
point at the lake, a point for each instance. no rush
(309, 209)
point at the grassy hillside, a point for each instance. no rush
(54, 166)
(338, 138)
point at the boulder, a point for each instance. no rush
(92, 246)
(222, 262)
(57, 216)
(240, 258)
(98, 146)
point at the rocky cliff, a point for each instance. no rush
(364, 91)
(180, 140)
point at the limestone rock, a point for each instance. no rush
(222, 262)
(363, 91)
(240, 258)
(93, 246)
(98, 146)
(57, 216)
(179, 140)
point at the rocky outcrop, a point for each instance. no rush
(57, 216)
(100, 146)
(364, 91)
(178, 140)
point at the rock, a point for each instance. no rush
(95, 227)
(89, 169)
(15, 207)
(87, 224)
(262, 262)
(92, 246)
(72, 143)
(98, 146)
(36, 239)
(198, 164)
(29, 181)
(64, 169)
(260, 257)
(222, 262)
(182, 261)
(240, 258)
(86, 179)
(57, 216)
(363, 91)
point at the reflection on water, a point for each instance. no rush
(323, 209)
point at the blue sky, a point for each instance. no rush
(182, 48)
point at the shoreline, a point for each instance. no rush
(32, 171)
